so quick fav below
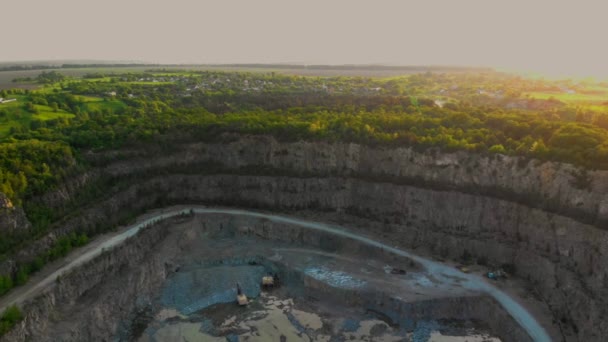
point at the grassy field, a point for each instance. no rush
(149, 83)
(47, 89)
(597, 97)
(98, 103)
(87, 99)
(13, 114)
(47, 113)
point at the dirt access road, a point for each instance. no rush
(443, 273)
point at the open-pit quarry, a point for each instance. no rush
(173, 277)
(367, 244)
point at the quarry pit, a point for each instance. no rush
(173, 275)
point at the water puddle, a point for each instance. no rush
(334, 278)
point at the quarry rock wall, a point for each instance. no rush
(130, 273)
(546, 220)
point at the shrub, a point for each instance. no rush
(498, 149)
(11, 316)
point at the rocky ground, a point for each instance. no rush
(177, 280)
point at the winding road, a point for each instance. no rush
(441, 272)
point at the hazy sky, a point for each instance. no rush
(565, 37)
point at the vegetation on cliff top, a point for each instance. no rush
(481, 112)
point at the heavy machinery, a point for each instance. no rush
(270, 281)
(241, 299)
(267, 281)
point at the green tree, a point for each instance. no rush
(22, 276)
(499, 148)
(11, 316)
(6, 283)
(30, 107)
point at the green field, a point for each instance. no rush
(14, 115)
(98, 104)
(47, 113)
(48, 88)
(149, 83)
(597, 97)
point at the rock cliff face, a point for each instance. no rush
(548, 220)
(555, 187)
(12, 219)
(13, 222)
(89, 303)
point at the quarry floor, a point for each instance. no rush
(302, 318)
(198, 301)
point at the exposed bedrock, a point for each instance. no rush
(12, 218)
(89, 303)
(557, 187)
(546, 219)
(103, 299)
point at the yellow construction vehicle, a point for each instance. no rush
(268, 281)
(241, 299)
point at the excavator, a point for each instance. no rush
(270, 281)
(241, 299)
